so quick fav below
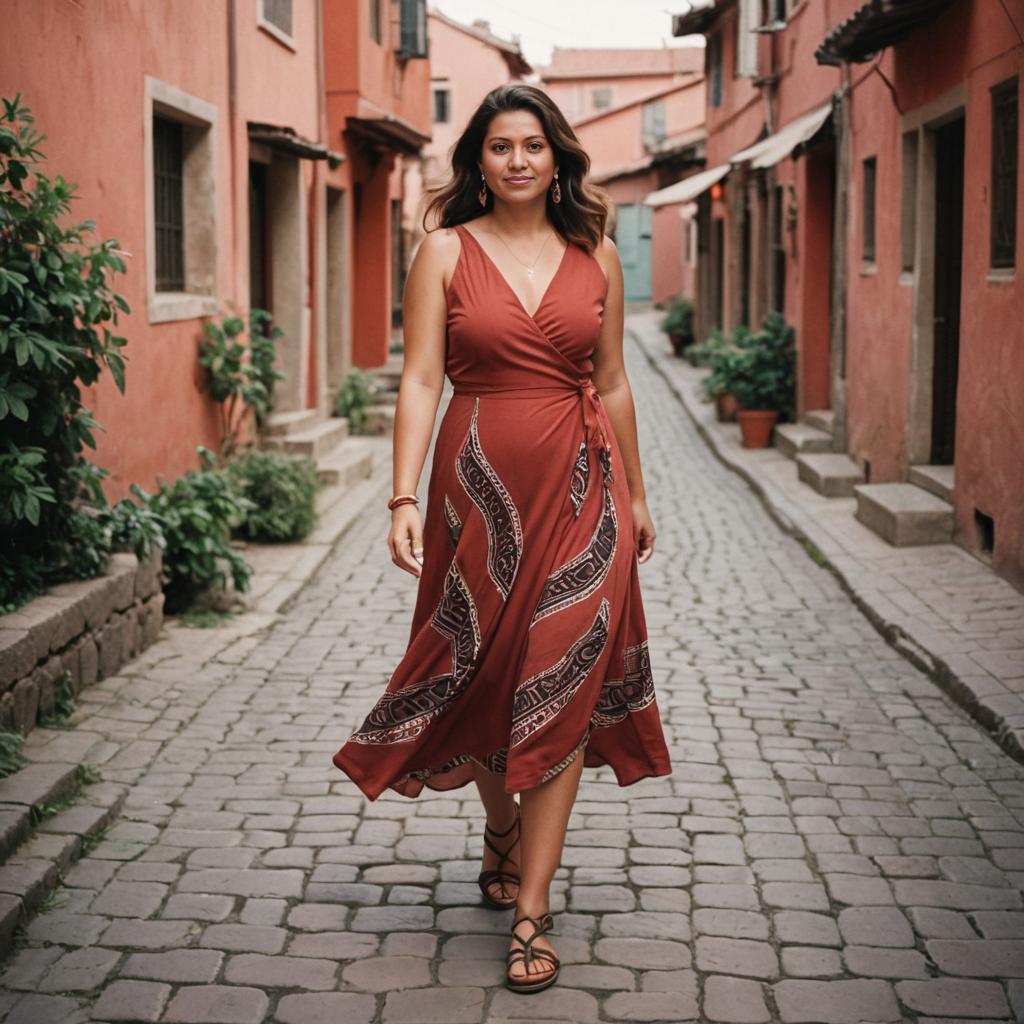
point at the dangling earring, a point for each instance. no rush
(556, 190)
(482, 194)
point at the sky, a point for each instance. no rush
(544, 24)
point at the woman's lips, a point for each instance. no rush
(519, 181)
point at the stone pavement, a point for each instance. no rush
(838, 842)
(946, 610)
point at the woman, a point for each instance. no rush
(528, 654)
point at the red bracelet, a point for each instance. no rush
(403, 499)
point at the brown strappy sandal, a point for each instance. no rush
(531, 983)
(499, 875)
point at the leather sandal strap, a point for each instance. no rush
(501, 835)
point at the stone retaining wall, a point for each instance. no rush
(88, 628)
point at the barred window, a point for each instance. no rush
(279, 14)
(168, 196)
(1004, 174)
(868, 222)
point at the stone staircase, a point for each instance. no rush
(919, 511)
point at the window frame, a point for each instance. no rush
(200, 213)
(714, 71)
(168, 203)
(604, 90)
(376, 21)
(444, 89)
(272, 28)
(1004, 183)
(869, 211)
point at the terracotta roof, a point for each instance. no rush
(617, 63)
(480, 29)
(876, 25)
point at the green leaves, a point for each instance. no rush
(758, 368)
(282, 492)
(354, 397)
(57, 308)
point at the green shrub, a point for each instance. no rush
(356, 394)
(702, 352)
(760, 371)
(679, 319)
(282, 490)
(241, 376)
(197, 514)
(57, 311)
(134, 526)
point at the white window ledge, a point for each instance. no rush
(167, 306)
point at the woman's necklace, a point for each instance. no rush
(530, 266)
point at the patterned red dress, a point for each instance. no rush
(528, 640)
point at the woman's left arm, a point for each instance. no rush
(610, 379)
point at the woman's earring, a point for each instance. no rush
(482, 194)
(556, 190)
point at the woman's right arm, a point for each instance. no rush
(424, 320)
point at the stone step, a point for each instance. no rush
(820, 419)
(937, 480)
(832, 474)
(279, 423)
(793, 438)
(347, 464)
(24, 793)
(315, 441)
(904, 514)
(380, 418)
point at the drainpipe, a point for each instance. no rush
(232, 145)
(840, 260)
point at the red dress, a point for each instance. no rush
(528, 639)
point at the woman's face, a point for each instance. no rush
(517, 160)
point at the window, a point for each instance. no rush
(746, 39)
(713, 71)
(908, 201)
(601, 97)
(653, 124)
(778, 247)
(181, 212)
(774, 12)
(376, 23)
(442, 105)
(1004, 175)
(168, 205)
(413, 29)
(868, 220)
(276, 17)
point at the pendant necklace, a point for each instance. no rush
(529, 267)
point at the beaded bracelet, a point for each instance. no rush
(403, 499)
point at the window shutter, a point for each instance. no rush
(413, 15)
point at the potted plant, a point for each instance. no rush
(718, 383)
(762, 378)
(678, 323)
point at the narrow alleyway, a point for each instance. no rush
(838, 843)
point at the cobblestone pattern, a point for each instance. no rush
(838, 842)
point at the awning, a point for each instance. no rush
(288, 141)
(688, 189)
(768, 152)
(876, 25)
(698, 19)
(388, 132)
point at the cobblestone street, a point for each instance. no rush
(838, 843)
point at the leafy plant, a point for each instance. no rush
(702, 352)
(241, 378)
(197, 514)
(763, 373)
(134, 526)
(11, 757)
(57, 311)
(354, 397)
(678, 322)
(282, 490)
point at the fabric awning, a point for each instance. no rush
(768, 152)
(688, 189)
(289, 141)
(698, 19)
(874, 26)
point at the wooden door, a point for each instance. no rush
(633, 240)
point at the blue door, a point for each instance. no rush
(633, 240)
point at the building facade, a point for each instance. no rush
(862, 179)
(236, 156)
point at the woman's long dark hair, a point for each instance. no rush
(582, 214)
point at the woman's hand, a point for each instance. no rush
(405, 539)
(643, 530)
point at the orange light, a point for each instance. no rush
(716, 190)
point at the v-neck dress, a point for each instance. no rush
(528, 643)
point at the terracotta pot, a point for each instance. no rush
(725, 407)
(756, 427)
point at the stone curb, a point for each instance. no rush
(980, 694)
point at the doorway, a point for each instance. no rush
(949, 211)
(633, 239)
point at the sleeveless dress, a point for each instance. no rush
(528, 641)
